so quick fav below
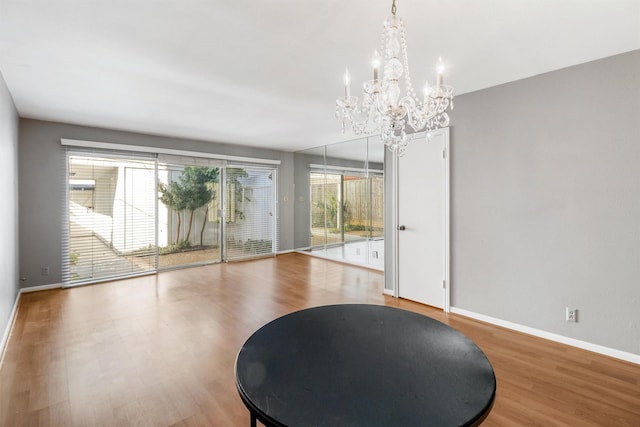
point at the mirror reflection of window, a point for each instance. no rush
(344, 201)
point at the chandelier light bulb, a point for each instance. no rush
(440, 72)
(376, 65)
(347, 83)
(384, 109)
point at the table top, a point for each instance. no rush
(363, 365)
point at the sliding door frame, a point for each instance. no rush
(119, 160)
(120, 150)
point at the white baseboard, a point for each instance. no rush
(342, 261)
(607, 351)
(287, 251)
(389, 292)
(40, 288)
(7, 330)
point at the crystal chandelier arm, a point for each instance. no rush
(415, 118)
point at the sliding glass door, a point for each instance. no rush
(132, 214)
(189, 226)
(250, 211)
(112, 216)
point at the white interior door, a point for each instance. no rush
(423, 224)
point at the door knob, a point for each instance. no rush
(402, 227)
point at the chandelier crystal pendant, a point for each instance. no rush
(382, 109)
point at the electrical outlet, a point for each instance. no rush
(572, 314)
(44, 271)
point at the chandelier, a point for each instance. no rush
(382, 110)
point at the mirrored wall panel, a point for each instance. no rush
(339, 209)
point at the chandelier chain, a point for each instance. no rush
(405, 58)
(393, 8)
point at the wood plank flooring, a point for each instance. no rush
(160, 350)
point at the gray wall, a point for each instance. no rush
(9, 212)
(42, 187)
(545, 187)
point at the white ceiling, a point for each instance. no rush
(266, 73)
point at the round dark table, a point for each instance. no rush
(363, 365)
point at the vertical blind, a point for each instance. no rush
(111, 220)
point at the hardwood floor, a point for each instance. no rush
(160, 350)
